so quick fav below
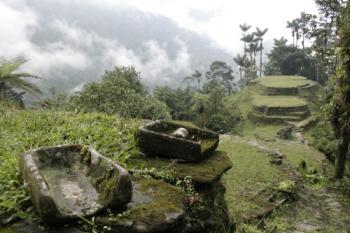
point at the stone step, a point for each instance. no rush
(301, 114)
(274, 119)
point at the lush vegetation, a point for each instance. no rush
(119, 92)
(11, 78)
(104, 114)
(340, 103)
(22, 130)
(204, 104)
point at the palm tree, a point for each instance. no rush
(295, 26)
(260, 34)
(196, 76)
(240, 61)
(14, 79)
(244, 28)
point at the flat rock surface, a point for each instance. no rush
(155, 207)
(206, 171)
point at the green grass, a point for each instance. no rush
(284, 81)
(278, 101)
(251, 173)
(297, 152)
(263, 132)
(21, 131)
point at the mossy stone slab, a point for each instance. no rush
(156, 206)
(204, 172)
(73, 181)
(157, 138)
(26, 227)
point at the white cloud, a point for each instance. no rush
(75, 49)
(84, 50)
(16, 27)
(224, 16)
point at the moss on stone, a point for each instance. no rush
(204, 172)
(153, 206)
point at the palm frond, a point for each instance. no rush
(7, 67)
(15, 80)
(24, 85)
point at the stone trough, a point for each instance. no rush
(172, 140)
(74, 181)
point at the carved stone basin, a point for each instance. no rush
(160, 138)
(68, 182)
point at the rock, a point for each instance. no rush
(276, 161)
(158, 138)
(285, 133)
(305, 226)
(210, 213)
(265, 201)
(155, 207)
(204, 172)
(276, 157)
(180, 133)
(74, 181)
(287, 186)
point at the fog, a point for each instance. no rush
(69, 43)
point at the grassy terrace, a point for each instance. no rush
(284, 81)
(278, 101)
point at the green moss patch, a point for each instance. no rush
(204, 172)
(155, 205)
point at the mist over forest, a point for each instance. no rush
(77, 42)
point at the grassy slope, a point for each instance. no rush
(23, 130)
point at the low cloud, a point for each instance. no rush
(77, 55)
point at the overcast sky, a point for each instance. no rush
(220, 19)
(63, 46)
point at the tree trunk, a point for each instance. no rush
(341, 157)
(240, 76)
(260, 68)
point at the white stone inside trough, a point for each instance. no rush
(180, 133)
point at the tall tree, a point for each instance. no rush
(341, 98)
(222, 74)
(195, 77)
(241, 62)
(294, 25)
(244, 28)
(260, 34)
